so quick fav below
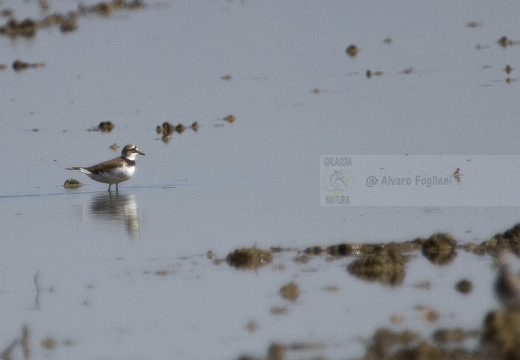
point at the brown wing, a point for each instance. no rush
(105, 166)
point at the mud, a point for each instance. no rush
(497, 338)
(249, 258)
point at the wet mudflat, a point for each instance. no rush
(218, 247)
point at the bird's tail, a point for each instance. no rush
(80, 169)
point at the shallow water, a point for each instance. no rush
(127, 275)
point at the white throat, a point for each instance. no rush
(131, 156)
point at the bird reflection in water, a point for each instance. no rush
(117, 208)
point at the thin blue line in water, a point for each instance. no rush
(76, 192)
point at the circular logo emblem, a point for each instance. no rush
(338, 181)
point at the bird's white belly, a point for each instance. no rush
(115, 176)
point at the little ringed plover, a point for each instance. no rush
(113, 171)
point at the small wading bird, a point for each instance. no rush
(507, 284)
(113, 171)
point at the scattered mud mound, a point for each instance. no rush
(386, 265)
(440, 249)
(72, 184)
(249, 258)
(290, 291)
(501, 335)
